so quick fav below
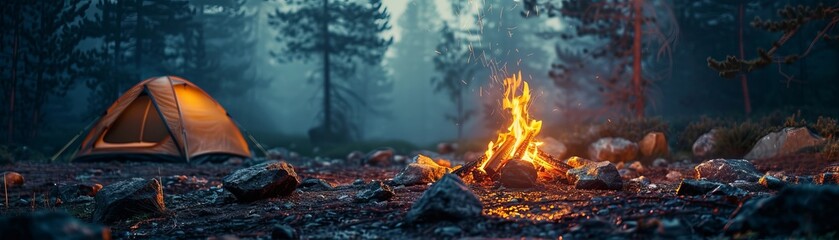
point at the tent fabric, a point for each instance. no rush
(165, 118)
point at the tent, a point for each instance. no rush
(163, 119)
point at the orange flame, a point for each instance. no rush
(522, 129)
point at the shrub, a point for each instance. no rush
(735, 140)
(826, 127)
(830, 150)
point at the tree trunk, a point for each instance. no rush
(744, 81)
(13, 83)
(636, 55)
(327, 85)
(138, 42)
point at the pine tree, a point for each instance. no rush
(337, 32)
(457, 68)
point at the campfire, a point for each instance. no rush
(519, 141)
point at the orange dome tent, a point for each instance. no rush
(163, 119)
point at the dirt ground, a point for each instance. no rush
(197, 209)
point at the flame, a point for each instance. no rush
(522, 129)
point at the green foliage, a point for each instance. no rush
(737, 139)
(694, 130)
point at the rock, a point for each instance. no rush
(129, 198)
(641, 181)
(553, 147)
(518, 173)
(576, 162)
(443, 163)
(598, 175)
(637, 166)
(826, 178)
(400, 159)
(12, 179)
(660, 162)
(654, 144)
(706, 145)
(284, 232)
(277, 154)
(448, 199)
(315, 184)
(613, 150)
(786, 141)
(802, 210)
(356, 157)
(446, 148)
(423, 170)
(727, 170)
(50, 225)
(358, 182)
(448, 231)
(379, 157)
(691, 187)
(375, 191)
(76, 193)
(771, 182)
(674, 176)
(271, 179)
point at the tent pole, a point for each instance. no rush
(253, 140)
(181, 116)
(52, 159)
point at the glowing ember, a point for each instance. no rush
(518, 142)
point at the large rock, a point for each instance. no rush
(129, 198)
(706, 145)
(613, 150)
(597, 175)
(654, 144)
(422, 170)
(554, 148)
(802, 210)
(50, 225)
(727, 170)
(447, 199)
(518, 173)
(786, 141)
(375, 191)
(271, 179)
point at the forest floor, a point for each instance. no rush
(195, 210)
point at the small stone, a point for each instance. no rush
(553, 147)
(355, 157)
(379, 157)
(674, 176)
(315, 184)
(654, 144)
(599, 176)
(826, 178)
(375, 191)
(641, 181)
(784, 142)
(358, 182)
(271, 179)
(447, 199)
(518, 173)
(771, 182)
(443, 163)
(706, 145)
(613, 150)
(660, 162)
(129, 198)
(576, 162)
(424, 170)
(637, 166)
(284, 232)
(727, 170)
(12, 179)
